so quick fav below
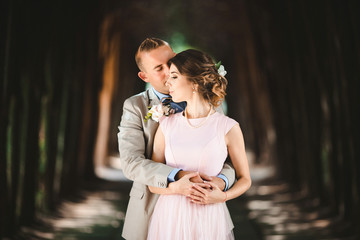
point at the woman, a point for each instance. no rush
(198, 139)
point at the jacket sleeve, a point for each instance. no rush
(229, 172)
(132, 148)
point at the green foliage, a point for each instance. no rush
(178, 42)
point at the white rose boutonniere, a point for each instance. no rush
(157, 111)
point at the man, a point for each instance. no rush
(136, 141)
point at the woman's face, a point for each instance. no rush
(179, 87)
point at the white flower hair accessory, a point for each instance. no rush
(157, 111)
(221, 69)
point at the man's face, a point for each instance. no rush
(155, 69)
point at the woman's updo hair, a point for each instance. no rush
(199, 68)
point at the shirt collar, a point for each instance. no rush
(160, 95)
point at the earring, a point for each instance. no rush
(194, 90)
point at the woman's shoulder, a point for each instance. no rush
(222, 116)
(225, 121)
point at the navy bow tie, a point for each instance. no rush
(178, 107)
(166, 100)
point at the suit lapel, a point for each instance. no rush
(153, 99)
(150, 126)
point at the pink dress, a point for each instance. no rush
(200, 149)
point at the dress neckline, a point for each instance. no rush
(183, 116)
(189, 122)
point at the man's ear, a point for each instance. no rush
(143, 76)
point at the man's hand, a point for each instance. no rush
(218, 182)
(201, 177)
(197, 179)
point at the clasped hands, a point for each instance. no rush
(198, 187)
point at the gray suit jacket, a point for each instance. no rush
(135, 145)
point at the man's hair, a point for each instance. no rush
(146, 46)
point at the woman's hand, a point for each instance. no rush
(207, 196)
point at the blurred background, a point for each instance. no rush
(66, 68)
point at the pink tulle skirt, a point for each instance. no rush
(175, 217)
